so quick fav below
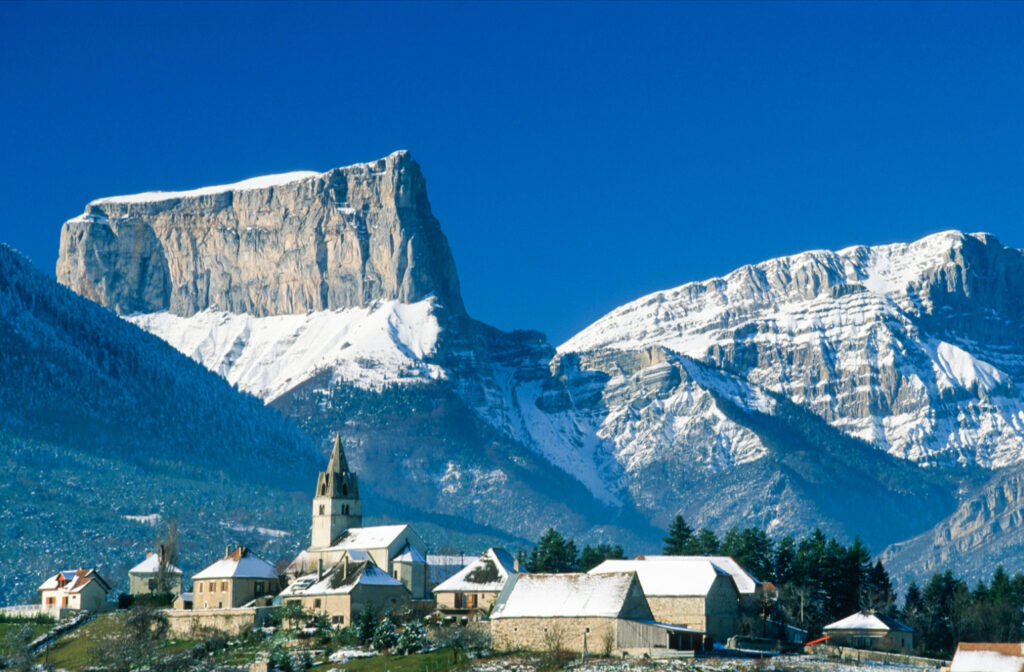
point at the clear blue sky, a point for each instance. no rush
(577, 155)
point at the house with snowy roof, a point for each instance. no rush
(692, 592)
(988, 657)
(582, 613)
(473, 590)
(750, 589)
(75, 589)
(145, 578)
(870, 630)
(337, 532)
(235, 580)
(344, 590)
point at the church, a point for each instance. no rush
(338, 537)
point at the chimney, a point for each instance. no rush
(320, 568)
(227, 551)
(149, 554)
(515, 565)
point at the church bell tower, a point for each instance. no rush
(336, 505)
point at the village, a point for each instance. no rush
(382, 582)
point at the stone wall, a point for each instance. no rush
(182, 623)
(548, 634)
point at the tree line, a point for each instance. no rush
(819, 580)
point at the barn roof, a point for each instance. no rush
(669, 577)
(988, 657)
(564, 595)
(746, 583)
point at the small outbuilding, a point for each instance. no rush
(145, 578)
(77, 589)
(870, 630)
(690, 592)
(238, 578)
(988, 657)
(473, 590)
(582, 613)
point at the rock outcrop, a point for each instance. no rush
(269, 246)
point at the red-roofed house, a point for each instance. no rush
(74, 589)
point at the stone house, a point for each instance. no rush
(144, 578)
(690, 592)
(233, 581)
(472, 591)
(870, 630)
(597, 613)
(342, 591)
(77, 589)
(988, 657)
(750, 589)
(337, 531)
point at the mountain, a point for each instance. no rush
(105, 430)
(868, 391)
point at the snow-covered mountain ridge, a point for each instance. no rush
(911, 347)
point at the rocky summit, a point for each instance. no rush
(273, 245)
(871, 391)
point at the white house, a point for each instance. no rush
(74, 589)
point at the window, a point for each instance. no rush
(220, 605)
(259, 588)
(316, 603)
(223, 586)
(213, 587)
(51, 601)
(337, 619)
(200, 587)
(152, 584)
(321, 509)
(344, 489)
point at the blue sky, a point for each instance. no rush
(577, 155)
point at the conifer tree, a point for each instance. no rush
(384, 637)
(679, 539)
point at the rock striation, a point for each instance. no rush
(269, 246)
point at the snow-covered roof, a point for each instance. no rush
(409, 554)
(488, 573)
(868, 621)
(261, 182)
(563, 595)
(74, 580)
(151, 565)
(336, 582)
(746, 584)
(239, 564)
(676, 578)
(985, 657)
(379, 536)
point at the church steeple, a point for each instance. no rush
(336, 505)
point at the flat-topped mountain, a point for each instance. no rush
(274, 245)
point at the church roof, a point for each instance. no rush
(338, 463)
(378, 536)
(338, 480)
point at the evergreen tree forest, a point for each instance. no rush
(820, 580)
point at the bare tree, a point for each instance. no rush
(167, 555)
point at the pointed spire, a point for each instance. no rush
(338, 463)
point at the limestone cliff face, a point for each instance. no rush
(270, 246)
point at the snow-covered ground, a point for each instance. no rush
(370, 347)
(777, 664)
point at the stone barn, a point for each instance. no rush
(690, 592)
(581, 613)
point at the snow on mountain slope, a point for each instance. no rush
(908, 346)
(371, 347)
